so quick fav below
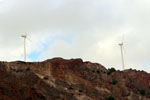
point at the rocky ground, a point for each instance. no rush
(60, 79)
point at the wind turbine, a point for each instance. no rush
(122, 55)
(25, 37)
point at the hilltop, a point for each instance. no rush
(61, 79)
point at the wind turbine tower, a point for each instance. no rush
(122, 57)
(24, 36)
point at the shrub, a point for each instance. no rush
(93, 70)
(45, 77)
(80, 90)
(4, 90)
(70, 87)
(98, 71)
(110, 98)
(28, 69)
(114, 82)
(148, 93)
(142, 92)
(110, 70)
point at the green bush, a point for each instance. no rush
(70, 87)
(110, 70)
(114, 82)
(148, 93)
(142, 92)
(80, 90)
(93, 70)
(98, 71)
(110, 98)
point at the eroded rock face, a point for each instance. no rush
(60, 79)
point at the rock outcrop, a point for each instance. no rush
(60, 79)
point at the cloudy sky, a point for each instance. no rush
(87, 29)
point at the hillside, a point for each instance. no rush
(60, 79)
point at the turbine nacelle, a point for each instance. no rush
(121, 44)
(24, 36)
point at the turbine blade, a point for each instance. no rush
(122, 38)
(27, 36)
(29, 39)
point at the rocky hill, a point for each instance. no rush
(60, 79)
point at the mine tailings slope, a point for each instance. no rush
(60, 79)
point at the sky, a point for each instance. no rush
(87, 29)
